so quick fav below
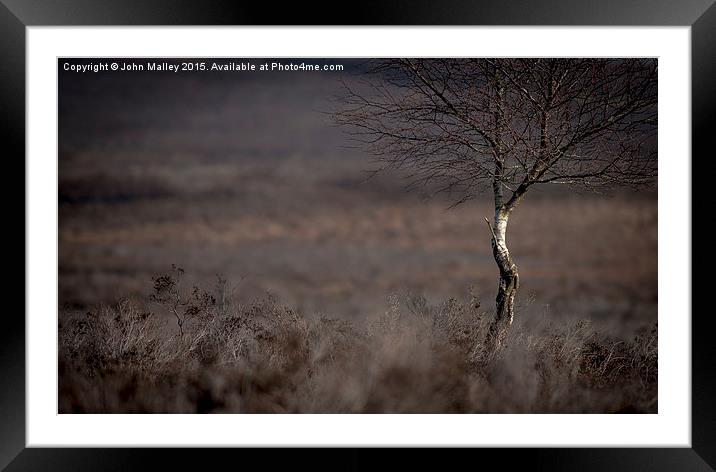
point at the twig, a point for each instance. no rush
(491, 230)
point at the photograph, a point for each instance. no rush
(434, 235)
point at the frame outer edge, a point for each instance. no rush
(703, 103)
(553, 460)
(368, 12)
(12, 331)
(12, 70)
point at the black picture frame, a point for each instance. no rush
(16, 15)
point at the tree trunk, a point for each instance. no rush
(509, 283)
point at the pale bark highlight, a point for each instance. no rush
(508, 282)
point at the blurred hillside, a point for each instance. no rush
(244, 175)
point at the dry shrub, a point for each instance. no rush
(201, 352)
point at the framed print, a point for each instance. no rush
(457, 227)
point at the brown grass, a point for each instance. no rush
(264, 357)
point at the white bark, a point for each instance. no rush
(501, 219)
(509, 281)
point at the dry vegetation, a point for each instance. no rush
(199, 352)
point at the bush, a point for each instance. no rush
(201, 352)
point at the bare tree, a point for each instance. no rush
(463, 126)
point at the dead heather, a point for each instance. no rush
(199, 351)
